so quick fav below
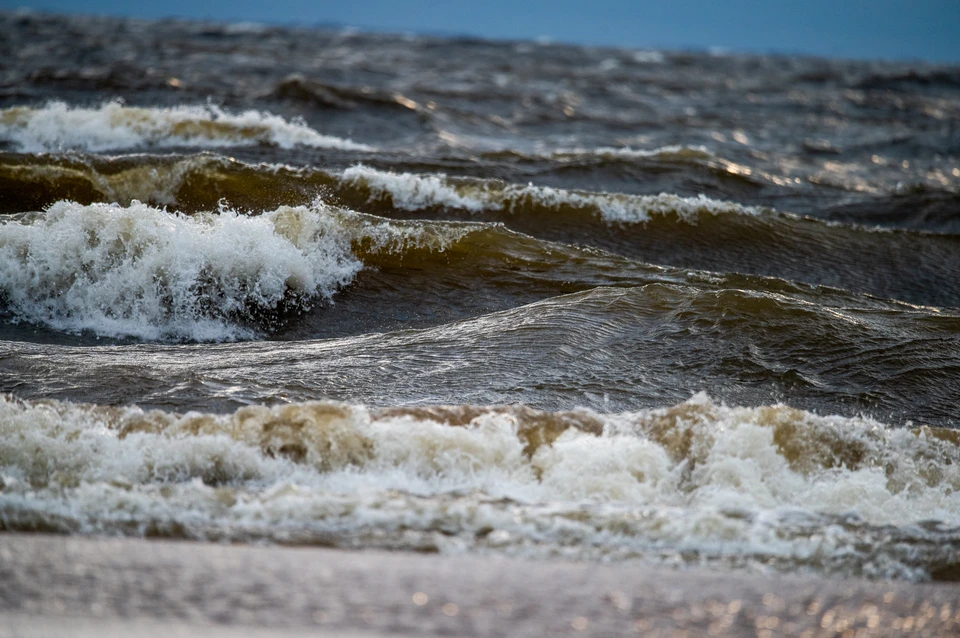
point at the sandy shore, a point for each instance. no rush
(57, 586)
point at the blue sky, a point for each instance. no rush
(889, 29)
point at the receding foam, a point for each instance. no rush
(698, 481)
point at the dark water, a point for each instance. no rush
(456, 295)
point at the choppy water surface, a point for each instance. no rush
(457, 295)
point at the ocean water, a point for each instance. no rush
(452, 295)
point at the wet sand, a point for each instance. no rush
(56, 585)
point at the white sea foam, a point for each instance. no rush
(648, 57)
(57, 126)
(768, 486)
(663, 152)
(414, 192)
(144, 272)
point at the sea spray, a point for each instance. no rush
(143, 272)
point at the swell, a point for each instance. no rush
(695, 162)
(199, 182)
(136, 271)
(917, 207)
(320, 95)
(302, 272)
(693, 233)
(695, 482)
(607, 348)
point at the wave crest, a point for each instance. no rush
(143, 272)
(413, 192)
(58, 126)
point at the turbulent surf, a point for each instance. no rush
(447, 295)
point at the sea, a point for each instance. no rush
(321, 287)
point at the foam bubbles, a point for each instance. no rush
(766, 486)
(408, 191)
(672, 152)
(414, 192)
(112, 126)
(143, 272)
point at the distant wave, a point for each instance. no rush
(411, 192)
(58, 126)
(674, 152)
(204, 176)
(711, 234)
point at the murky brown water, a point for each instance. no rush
(456, 295)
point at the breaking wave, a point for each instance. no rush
(143, 272)
(713, 235)
(203, 178)
(697, 482)
(58, 126)
(407, 191)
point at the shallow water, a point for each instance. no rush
(466, 296)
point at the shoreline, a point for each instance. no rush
(124, 586)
